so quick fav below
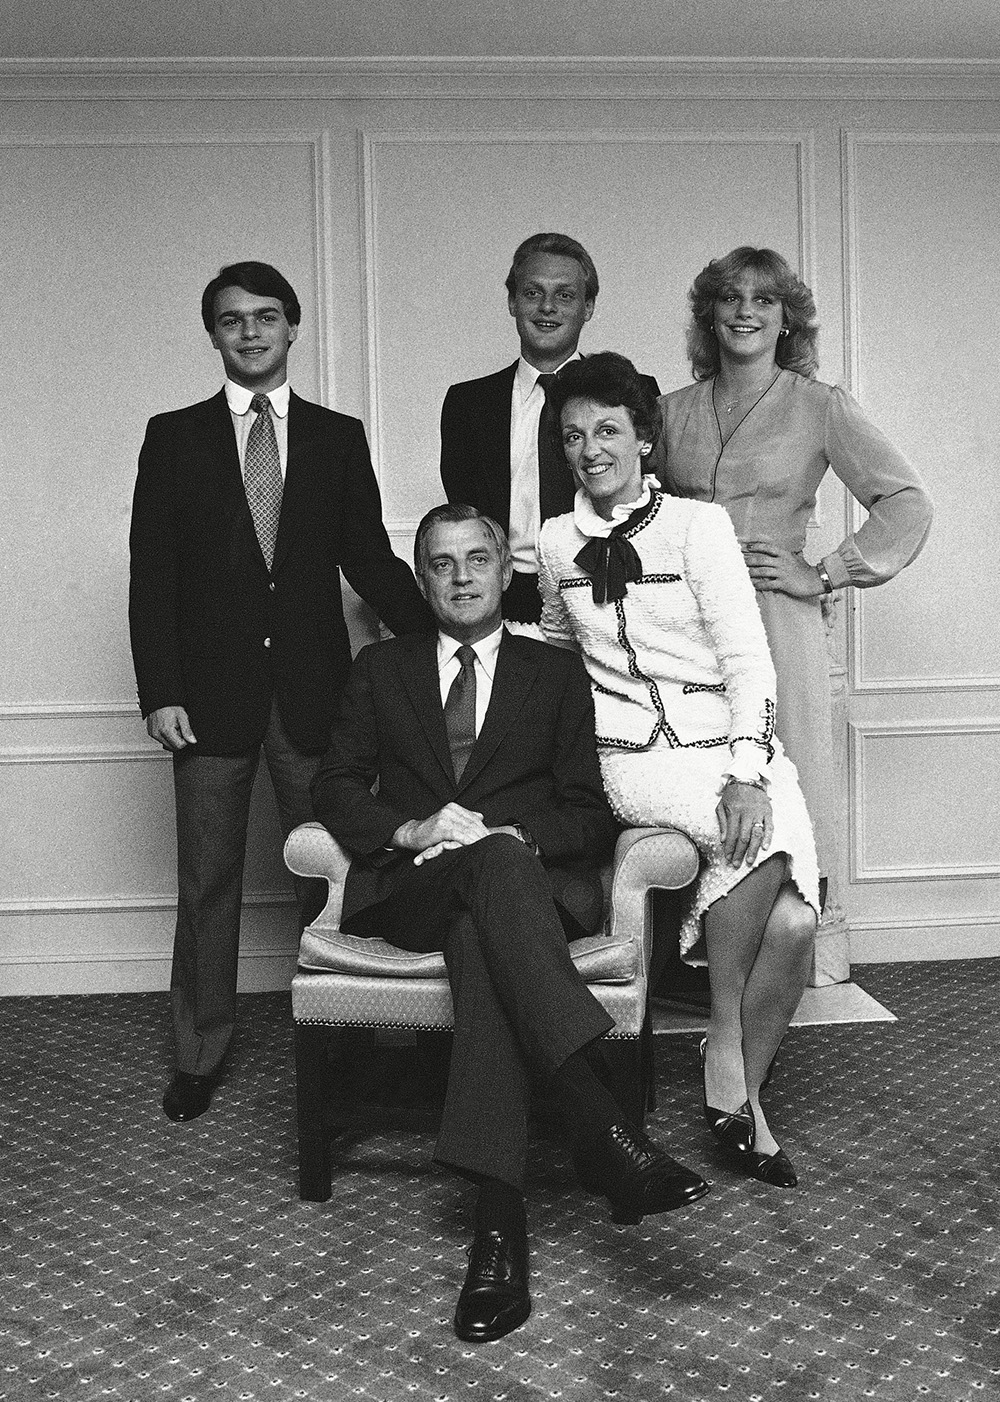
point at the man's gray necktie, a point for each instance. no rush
(460, 711)
(262, 476)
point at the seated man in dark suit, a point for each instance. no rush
(489, 805)
(500, 448)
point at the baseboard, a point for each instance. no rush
(920, 941)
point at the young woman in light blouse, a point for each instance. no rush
(757, 432)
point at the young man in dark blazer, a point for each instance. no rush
(500, 449)
(246, 507)
(484, 839)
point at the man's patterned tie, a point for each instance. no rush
(460, 711)
(262, 476)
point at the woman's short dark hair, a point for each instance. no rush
(260, 279)
(797, 347)
(457, 511)
(561, 246)
(611, 380)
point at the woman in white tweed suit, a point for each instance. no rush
(654, 592)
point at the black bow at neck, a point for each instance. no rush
(611, 561)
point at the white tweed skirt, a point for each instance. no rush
(680, 788)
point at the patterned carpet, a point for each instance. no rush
(144, 1260)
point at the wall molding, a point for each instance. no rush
(95, 754)
(70, 710)
(859, 736)
(132, 904)
(801, 140)
(481, 78)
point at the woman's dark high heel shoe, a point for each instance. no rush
(775, 1168)
(734, 1129)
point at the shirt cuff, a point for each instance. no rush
(837, 570)
(748, 764)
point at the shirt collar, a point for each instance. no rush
(486, 650)
(588, 522)
(527, 375)
(238, 397)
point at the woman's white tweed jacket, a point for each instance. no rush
(683, 655)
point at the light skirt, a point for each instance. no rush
(680, 788)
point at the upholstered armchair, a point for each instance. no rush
(344, 981)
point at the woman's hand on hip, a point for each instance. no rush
(745, 822)
(775, 570)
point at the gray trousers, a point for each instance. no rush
(212, 799)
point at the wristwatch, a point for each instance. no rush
(526, 837)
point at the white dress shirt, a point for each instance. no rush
(486, 664)
(238, 398)
(526, 401)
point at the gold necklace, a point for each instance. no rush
(730, 405)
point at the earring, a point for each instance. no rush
(645, 449)
(783, 331)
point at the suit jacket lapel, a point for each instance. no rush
(219, 442)
(495, 433)
(512, 683)
(421, 682)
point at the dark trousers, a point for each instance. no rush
(521, 1007)
(212, 799)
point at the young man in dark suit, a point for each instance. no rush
(484, 839)
(246, 507)
(500, 448)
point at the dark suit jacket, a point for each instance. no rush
(534, 761)
(201, 601)
(475, 444)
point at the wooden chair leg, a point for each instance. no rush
(313, 1129)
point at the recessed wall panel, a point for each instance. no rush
(925, 262)
(446, 213)
(926, 801)
(114, 245)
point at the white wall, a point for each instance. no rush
(395, 218)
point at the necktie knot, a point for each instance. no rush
(466, 655)
(260, 404)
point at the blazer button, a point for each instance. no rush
(271, 586)
(267, 642)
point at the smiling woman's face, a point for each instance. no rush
(746, 320)
(604, 451)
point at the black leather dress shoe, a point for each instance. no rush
(635, 1176)
(188, 1096)
(494, 1299)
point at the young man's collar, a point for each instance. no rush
(238, 398)
(526, 374)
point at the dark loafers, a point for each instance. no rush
(494, 1299)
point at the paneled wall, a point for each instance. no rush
(395, 217)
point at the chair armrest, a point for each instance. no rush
(311, 851)
(647, 858)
